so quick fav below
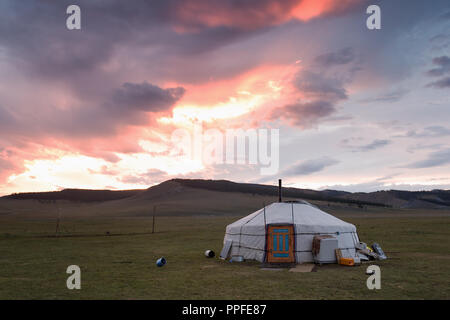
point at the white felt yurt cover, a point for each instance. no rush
(248, 235)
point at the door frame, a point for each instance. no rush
(292, 244)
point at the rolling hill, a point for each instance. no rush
(195, 195)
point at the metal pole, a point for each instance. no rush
(153, 225)
(265, 233)
(292, 212)
(264, 206)
(279, 190)
(57, 221)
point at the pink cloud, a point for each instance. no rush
(191, 15)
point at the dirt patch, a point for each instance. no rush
(307, 267)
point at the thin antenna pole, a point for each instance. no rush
(57, 221)
(264, 206)
(279, 190)
(153, 224)
(292, 211)
(265, 232)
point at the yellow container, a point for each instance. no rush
(347, 261)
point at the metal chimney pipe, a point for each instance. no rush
(279, 190)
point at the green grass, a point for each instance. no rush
(33, 265)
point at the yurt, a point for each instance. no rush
(283, 232)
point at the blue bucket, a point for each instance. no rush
(161, 262)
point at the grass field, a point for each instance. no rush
(121, 265)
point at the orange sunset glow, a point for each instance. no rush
(97, 108)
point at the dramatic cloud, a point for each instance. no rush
(146, 97)
(112, 32)
(309, 166)
(305, 114)
(127, 105)
(96, 107)
(318, 92)
(44, 46)
(190, 15)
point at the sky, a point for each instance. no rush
(354, 109)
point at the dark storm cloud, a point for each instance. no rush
(341, 57)
(435, 159)
(44, 46)
(320, 88)
(35, 33)
(305, 114)
(146, 97)
(36, 36)
(309, 166)
(252, 14)
(36, 39)
(127, 105)
(193, 15)
(95, 74)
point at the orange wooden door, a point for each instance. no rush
(280, 244)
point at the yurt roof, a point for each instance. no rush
(294, 212)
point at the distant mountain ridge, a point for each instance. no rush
(435, 199)
(82, 195)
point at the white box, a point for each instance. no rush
(326, 253)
